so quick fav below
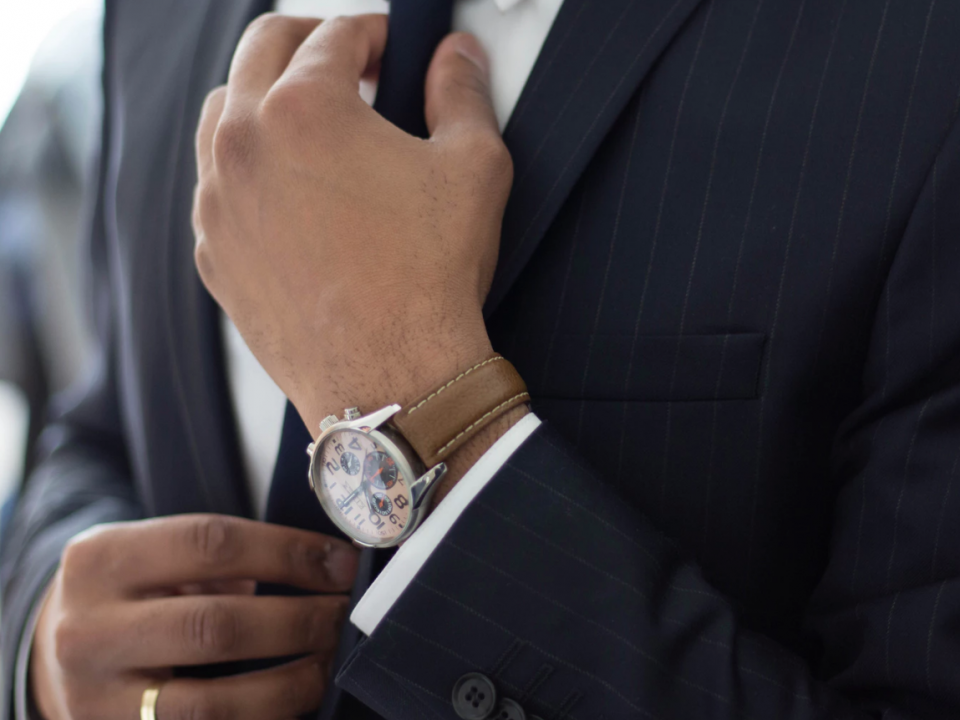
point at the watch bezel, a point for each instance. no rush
(409, 465)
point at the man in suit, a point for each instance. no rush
(727, 272)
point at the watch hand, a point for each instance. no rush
(349, 498)
(365, 486)
(361, 488)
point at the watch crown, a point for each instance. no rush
(328, 421)
(351, 413)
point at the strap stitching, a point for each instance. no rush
(481, 419)
(459, 377)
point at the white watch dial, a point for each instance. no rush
(361, 484)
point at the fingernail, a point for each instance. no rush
(341, 564)
(469, 47)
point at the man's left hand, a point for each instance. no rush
(353, 257)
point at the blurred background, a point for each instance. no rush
(49, 121)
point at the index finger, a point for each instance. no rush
(154, 554)
(264, 52)
(340, 50)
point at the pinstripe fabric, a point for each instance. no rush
(729, 276)
(788, 169)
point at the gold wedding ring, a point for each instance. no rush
(148, 704)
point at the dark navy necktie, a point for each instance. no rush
(416, 28)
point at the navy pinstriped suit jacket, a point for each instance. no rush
(730, 275)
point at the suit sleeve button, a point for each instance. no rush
(474, 697)
(509, 710)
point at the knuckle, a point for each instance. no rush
(195, 214)
(488, 152)
(267, 23)
(304, 558)
(214, 539)
(346, 25)
(84, 556)
(203, 259)
(286, 102)
(99, 554)
(312, 624)
(213, 629)
(235, 143)
(80, 703)
(206, 208)
(70, 646)
(74, 558)
(213, 99)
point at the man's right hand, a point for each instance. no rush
(132, 601)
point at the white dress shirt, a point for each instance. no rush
(512, 32)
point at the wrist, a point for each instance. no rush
(467, 456)
(409, 370)
(416, 451)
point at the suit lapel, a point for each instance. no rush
(593, 60)
(197, 361)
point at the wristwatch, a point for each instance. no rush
(374, 474)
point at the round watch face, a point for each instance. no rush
(359, 481)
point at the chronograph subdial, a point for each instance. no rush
(350, 463)
(380, 470)
(381, 504)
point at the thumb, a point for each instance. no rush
(458, 89)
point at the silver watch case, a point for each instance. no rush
(408, 463)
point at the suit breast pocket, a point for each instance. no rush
(648, 368)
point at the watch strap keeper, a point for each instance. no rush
(442, 420)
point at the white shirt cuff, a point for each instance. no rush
(400, 571)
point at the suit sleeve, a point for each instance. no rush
(82, 477)
(577, 607)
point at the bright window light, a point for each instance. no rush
(14, 418)
(23, 26)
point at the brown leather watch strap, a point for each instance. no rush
(438, 423)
